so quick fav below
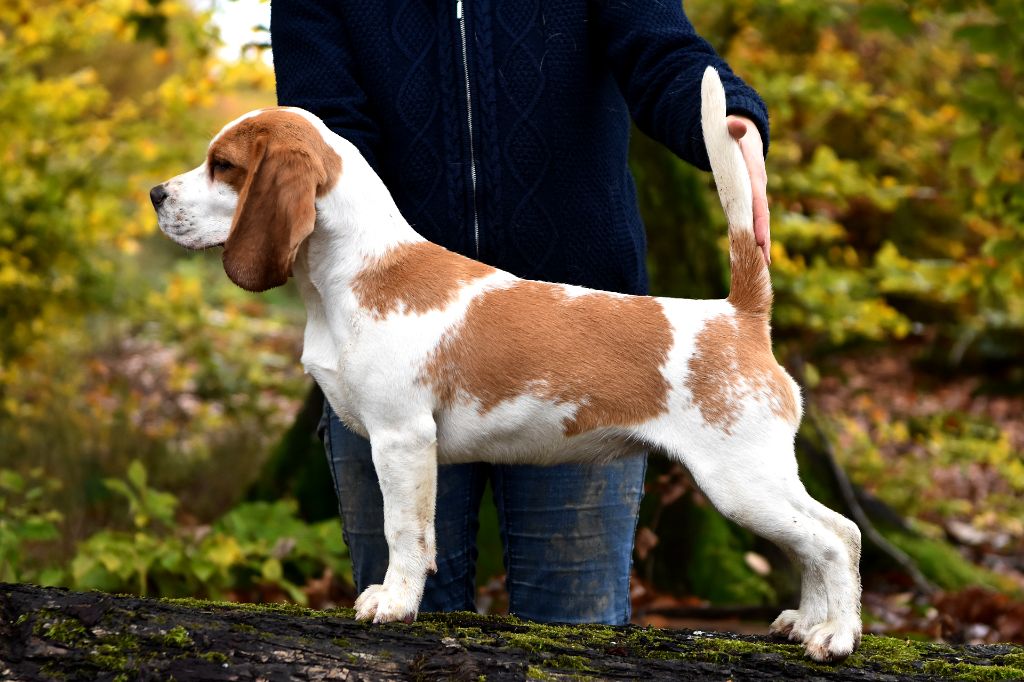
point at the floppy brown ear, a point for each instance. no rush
(276, 212)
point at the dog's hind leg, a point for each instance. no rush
(406, 464)
(849, 612)
(757, 486)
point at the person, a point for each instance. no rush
(502, 130)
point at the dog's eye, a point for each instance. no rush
(220, 165)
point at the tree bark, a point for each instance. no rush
(53, 633)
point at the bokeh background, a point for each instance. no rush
(156, 428)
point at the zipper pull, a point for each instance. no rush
(458, 9)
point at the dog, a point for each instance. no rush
(437, 358)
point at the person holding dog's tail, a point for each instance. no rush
(502, 131)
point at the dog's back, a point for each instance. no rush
(436, 357)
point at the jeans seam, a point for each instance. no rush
(628, 607)
(504, 525)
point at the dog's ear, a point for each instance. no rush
(276, 212)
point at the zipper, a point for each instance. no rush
(469, 122)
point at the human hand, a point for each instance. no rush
(746, 133)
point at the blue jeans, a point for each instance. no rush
(567, 531)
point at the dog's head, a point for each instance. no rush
(255, 194)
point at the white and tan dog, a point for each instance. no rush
(437, 358)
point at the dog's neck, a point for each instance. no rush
(357, 222)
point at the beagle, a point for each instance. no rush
(438, 358)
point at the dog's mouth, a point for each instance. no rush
(182, 234)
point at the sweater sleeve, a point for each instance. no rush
(315, 70)
(658, 60)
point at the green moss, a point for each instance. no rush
(108, 657)
(535, 672)
(941, 563)
(536, 643)
(649, 643)
(59, 628)
(471, 633)
(562, 649)
(968, 671)
(288, 609)
(719, 650)
(896, 656)
(887, 653)
(214, 657)
(531, 637)
(53, 671)
(123, 641)
(177, 636)
(567, 662)
(1014, 660)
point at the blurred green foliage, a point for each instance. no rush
(112, 346)
(895, 167)
(255, 545)
(26, 518)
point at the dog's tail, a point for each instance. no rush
(751, 289)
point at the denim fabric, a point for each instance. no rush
(567, 531)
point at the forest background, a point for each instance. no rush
(155, 425)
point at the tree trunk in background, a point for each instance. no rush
(298, 467)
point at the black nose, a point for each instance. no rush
(157, 195)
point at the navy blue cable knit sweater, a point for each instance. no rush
(529, 171)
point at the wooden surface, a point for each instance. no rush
(48, 633)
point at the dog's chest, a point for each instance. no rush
(324, 359)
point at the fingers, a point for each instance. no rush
(737, 128)
(759, 195)
(761, 220)
(753, 157)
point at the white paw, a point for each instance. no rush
(385, 605)
(790, 625)
(832, 641)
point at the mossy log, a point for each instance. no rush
(49, 633)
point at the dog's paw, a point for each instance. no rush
(832, 641)
(790, 625)
(383, 605)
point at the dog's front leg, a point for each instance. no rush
(406, 465)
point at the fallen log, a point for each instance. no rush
(50, 633)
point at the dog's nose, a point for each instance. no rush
(157, 195)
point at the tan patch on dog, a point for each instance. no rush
(750, 290)
(600, 352)
(419, 276)
(279, 165)
(289, 132)
(733, 360)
